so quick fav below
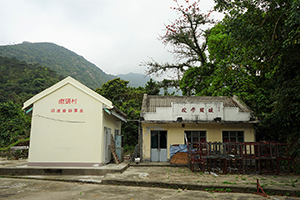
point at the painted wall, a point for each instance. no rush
(197, 111)
(175, 133)
(67, 127)
(111, 122)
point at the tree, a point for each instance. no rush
(152, 88)
(264, 40)
(128, 100)
(186, 36)
(115, 90)
(253, 53)
(14, 124)
(20, 80)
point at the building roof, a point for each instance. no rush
(151, 102)
(69, 80)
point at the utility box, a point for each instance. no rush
(118, 146)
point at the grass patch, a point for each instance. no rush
(228, 190)
(227, 182)
(264, 185)
(13, 144)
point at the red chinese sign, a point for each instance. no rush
(67, 110)
(67, 101)
(201, 110)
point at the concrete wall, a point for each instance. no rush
(198, 112)
(175, 133)
(73, 137)
(111, 122)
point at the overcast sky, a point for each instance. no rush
(115, 35)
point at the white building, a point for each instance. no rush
(71, 126)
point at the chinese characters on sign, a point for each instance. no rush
(67, 110)
(199, 110)
(67, 101)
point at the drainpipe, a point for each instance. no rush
(140, 140)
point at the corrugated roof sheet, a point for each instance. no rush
(151, 102)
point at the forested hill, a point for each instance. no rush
(63, 61)
(20, 81)
(135, 80)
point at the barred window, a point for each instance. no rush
(233, 136)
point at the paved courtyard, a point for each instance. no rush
(152, 181)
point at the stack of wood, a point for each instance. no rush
(180, 158)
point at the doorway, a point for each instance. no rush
(107, 153)
(159, 146)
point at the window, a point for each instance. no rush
(117, 132)
(196, 136)
(158, 139)
(233, 136)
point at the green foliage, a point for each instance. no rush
(227, 182)
(186, 35)
(254, 54)
(128, 150)
(59, 59)
(128, 100)
(152, 88)
(14, 124)
(197, 80)
(14, 144)
(115, 90)
(20, 81)
(166, 84)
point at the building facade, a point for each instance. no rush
(169, 120)
(71, 126)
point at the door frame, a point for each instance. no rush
(107, 140)
(158, 149)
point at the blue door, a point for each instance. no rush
(159, 146)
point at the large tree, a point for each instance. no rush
(128, 100)
(255, 53)
(14, 124)
(186, 35)
(265, 35)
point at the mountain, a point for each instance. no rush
(63, 61)
(135, 80)
(20, 81)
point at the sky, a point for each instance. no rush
(115, 35)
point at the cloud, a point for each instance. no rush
(116, 35)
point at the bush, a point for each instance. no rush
(128, 150)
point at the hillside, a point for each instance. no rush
(135, 80)
(59, 59)
(20, 81)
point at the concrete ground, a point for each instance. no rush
(152, 181)
(38, 189)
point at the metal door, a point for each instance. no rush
(107, 132)
(158, 146)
